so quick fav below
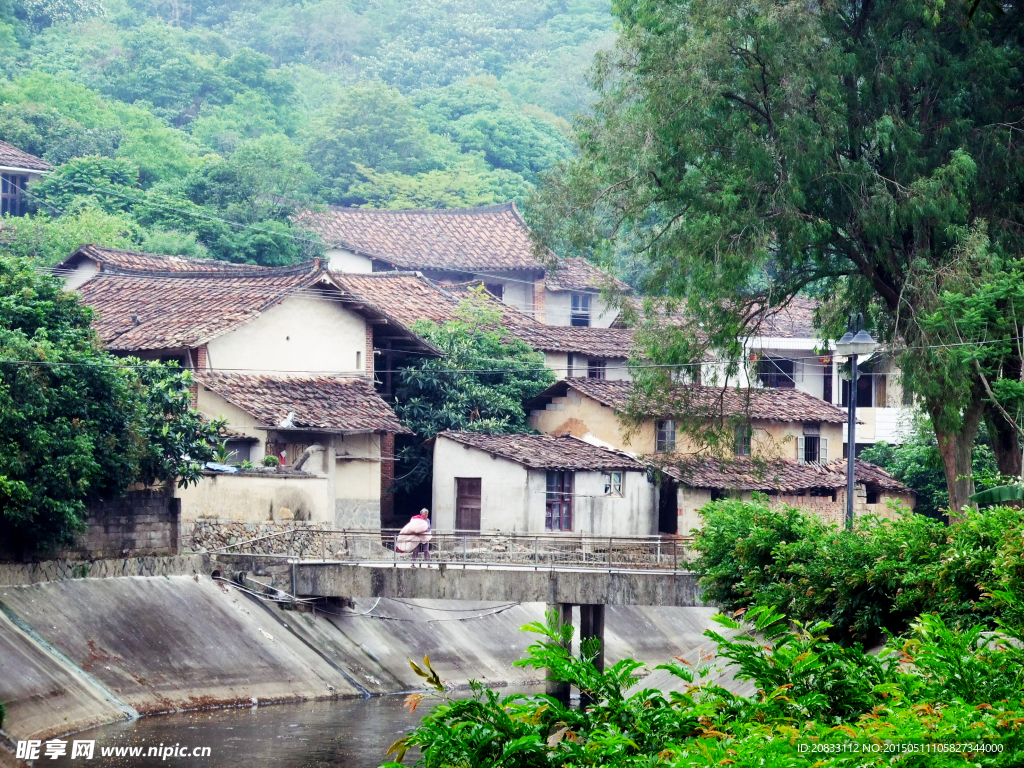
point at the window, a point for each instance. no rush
(12, 197)
(596, 369)
(558, 510)
(239, 450)
(812, 449)
(665, 436)
(744, 433)
(359, 360)
(776, 373)
(612, 483)
(871, 496)
(865, 390)
(826, 391)
(580, 309)
(467, 503)
(495, 289)
(717, 494)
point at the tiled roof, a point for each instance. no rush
(143, 311)
(488, 238)
(12, 157)
(794, 321)
(765, 404)
(147, 302)
(318, 402)
(578, 274)
(783, 475)
(594, 342)
(116, 258)
(410, 297)
(548, 451)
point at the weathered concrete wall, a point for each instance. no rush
(252, 497)
(161, 644)
(504, 494)
(300, 334)
(20, 574)
(514, 584)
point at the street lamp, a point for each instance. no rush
(856, 341)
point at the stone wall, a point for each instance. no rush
(361, 514)
(274, 537)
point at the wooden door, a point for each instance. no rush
(467, 503)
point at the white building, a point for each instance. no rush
(539, 484)
(491, 244)
(286, 355)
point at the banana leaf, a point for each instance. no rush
(999, 494)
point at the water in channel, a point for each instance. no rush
(354, 733)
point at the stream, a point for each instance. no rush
(354, 733)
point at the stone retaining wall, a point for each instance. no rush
(19, 574)
(292, 537)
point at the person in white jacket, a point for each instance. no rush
(415, 536)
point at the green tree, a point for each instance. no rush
(862, 151)
(373, 126)
(480, 385)
(77, 424)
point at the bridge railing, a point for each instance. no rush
(475, 547)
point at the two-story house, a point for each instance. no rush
(784, 443)
(285, 354)
(490, 244)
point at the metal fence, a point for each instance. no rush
(474, 547)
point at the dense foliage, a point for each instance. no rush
(917, 463)
(199, 129)
(875, 579)
(933, 687)
(480, 385)
(950, 671)
(77, 424)
(864, 152)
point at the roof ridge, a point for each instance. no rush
(493, 208)
(306, 267)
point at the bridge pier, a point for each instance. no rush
(591, 625)
(559, 689)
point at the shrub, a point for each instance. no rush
(866, 583)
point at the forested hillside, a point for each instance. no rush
(198, 128)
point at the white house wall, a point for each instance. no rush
(505, 495)
(340, 260)
(300, 334)
(632, 514)
(558, 309)
(80, 274)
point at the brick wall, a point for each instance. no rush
(202, 361)
(539, 302)
(387, 476)
(141, 523)
(369, 350)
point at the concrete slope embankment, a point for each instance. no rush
(162, 644)
(88, 649)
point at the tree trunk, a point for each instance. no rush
(1005, 443)
(956, 447)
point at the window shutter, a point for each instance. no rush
(800, 450)
(824, 450)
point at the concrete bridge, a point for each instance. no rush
(561, 571)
